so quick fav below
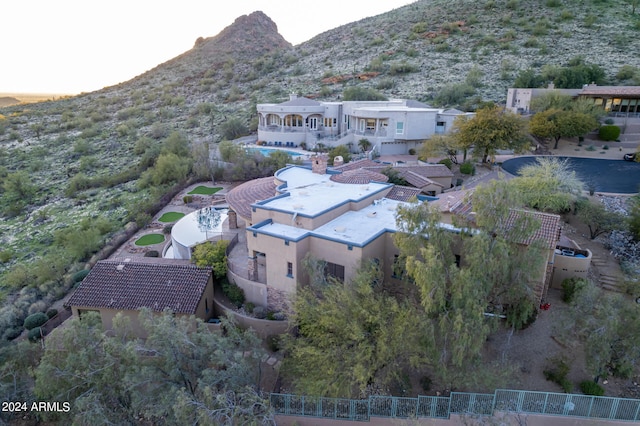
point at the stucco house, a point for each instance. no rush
(343, 216)
(392, 127)
(623, 101)
(126, 286)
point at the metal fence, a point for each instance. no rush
(515, 401)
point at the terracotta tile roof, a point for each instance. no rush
(457, 202)
(358, 164)
(133, 285)
(548, 232)
(416, 180)
(241, 197)
(594, 90)
(427, 170)
(402, 193)
(359, 177)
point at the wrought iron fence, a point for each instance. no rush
(502, 400)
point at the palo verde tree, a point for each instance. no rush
(489, 130)
(351, 336)
(608, 326)
(181, 374)
(549, 184)
(461, 275)
(598, 218)
(438, 145)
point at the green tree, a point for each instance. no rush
(598, 218)
(552, 99)
(608, 326)
(182, 373)
(169, 168)
(528, 79)
(634, 216)
(439, 145)
(491, 271)
(351, 336)
(177, 144)
(556, 123)
(356, 93)
(233, 128)
(364, 145)
(394, 176)
(490, 129)
(340, 150)
(17, 192)
(213, 255)
(549, 184)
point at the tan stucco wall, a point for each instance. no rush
(263, 328)
(254, 292)
(568, 267)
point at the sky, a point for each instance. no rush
(74, 46)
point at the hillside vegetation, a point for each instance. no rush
(76, 171)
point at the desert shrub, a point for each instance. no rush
(571, 287)
(467, 168)
(609, 132)
(12, 333)
(80, 275)
(249, 307)
(557, 373)
(35, 320)
(35, 334)
(6, 256)
(51, 313)
(356, 93)
(187, 199)
(273, 342)
(412, 151)
(167, 229)
(234, 293)
(259, 312)
(152, 253)
(609, 121)
(279, 316)
(589, 387)
(447, 162)
(271, 316)
(402, 68)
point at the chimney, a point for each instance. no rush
(338, 161)
(551, 86)
(319, 164)
(293, 96)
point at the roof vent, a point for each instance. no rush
(372, 214)
(298, 206)
(120, 267)
(340, 229)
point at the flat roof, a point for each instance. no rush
(310, 194)
(355, 227)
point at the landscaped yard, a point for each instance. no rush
(150, 239)
(170, 217)
(204, 190)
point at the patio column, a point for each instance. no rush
(252, 269)
(233, 219)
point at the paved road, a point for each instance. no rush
(611, 176)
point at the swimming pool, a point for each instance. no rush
(267, 151)
(612, 176)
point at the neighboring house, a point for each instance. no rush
(618, 100)
(431, 179)
(126, 286)
(392, 127)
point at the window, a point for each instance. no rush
(206, 305)
(400, 128)
(334, 270)
(289, 269)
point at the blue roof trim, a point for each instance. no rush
(261, 204)
(257, 229)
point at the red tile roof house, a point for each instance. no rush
(125, 286)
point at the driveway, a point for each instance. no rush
(609, 176)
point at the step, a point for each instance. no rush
(612, 288)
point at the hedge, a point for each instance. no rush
(609, 133)
(35, 320)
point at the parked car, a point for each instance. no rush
(631, 156)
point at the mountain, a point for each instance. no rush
(79, 156)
